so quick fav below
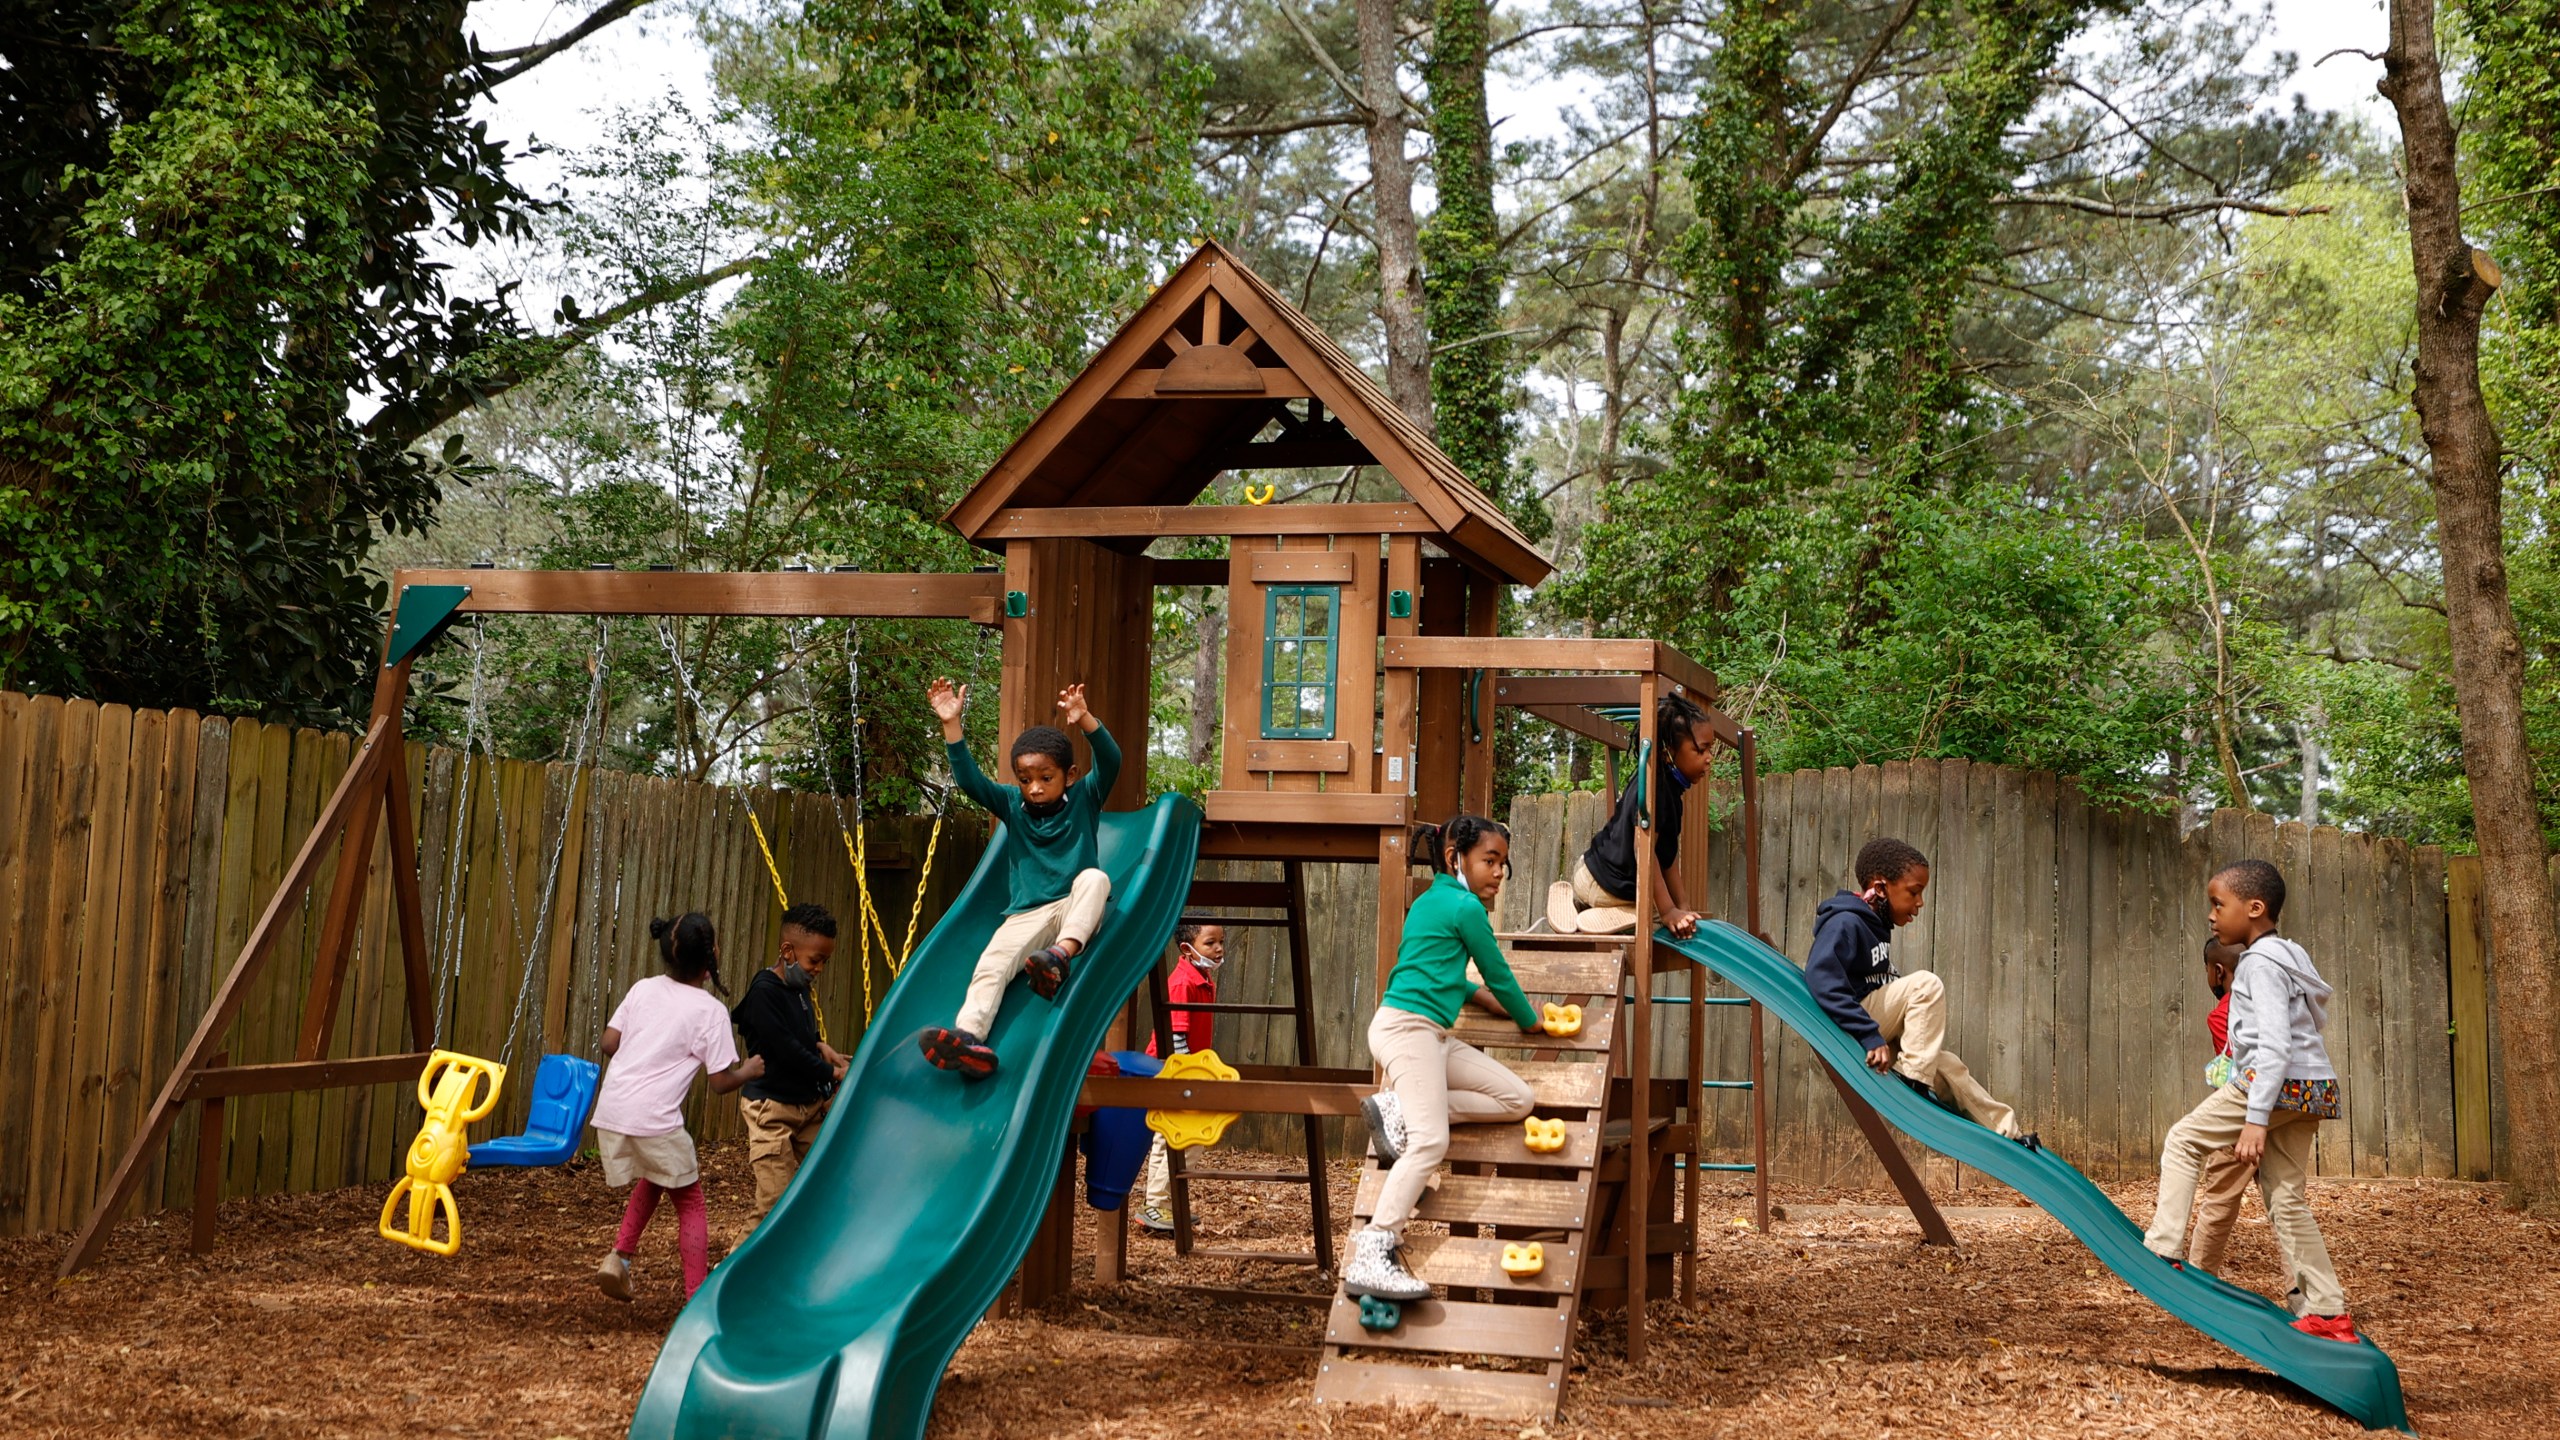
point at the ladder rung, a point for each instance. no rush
(1745, 1168)
(1233, 1007)
(1724, 1084)
(1274, 922)
(1293, 1177)
(1273, 1256)
(1702, 1000)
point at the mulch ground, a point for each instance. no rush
(302, 1323)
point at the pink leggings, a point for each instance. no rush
(693, 1227)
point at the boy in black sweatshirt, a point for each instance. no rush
(1851, 973)
(779, 1018)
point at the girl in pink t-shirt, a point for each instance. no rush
(666, 1028)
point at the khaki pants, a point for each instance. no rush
(1159, 1178)
(1438, 1079)
(2218, 1195)
(1912, 1013)
(2214, 1125)
(1602, 912)
(778, 1139)
(1072, 918)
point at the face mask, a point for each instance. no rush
(793, 977)
(1206, 965)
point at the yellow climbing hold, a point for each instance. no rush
(1543, 1136)
(1522, 1261)
(1190, 1129)
(1561, 1020)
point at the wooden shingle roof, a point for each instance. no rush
(1178, 395)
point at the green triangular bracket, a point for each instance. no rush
(424, 613)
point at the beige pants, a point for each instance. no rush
(1602, 912)
(1912, 1013)
(1037, 928)
(1438, 1080)
(2218, 1195)
(2282, 1175)
(778, 1139)
(1159, 1178)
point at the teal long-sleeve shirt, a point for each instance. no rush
(1445, 929)
(1048, 850)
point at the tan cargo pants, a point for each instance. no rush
(2283, 1178)
(1438, 1079)
(778, 1139)
(1037, 928)
(1912, 1013)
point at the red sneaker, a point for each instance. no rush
(958, 1050)
(2329, 1327)
(1048, 970)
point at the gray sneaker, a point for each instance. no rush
(1155, 1218)
(1377, 1270)
(1385, 1115)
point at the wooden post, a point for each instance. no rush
(209, 1122)
(355, 864)
(1302, 993)
(1750, 751)
(1639, 1191)
(1484, 617)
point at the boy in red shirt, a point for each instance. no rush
(1194, 982)
(2226, 1176)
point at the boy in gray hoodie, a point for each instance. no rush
(2269, 1110)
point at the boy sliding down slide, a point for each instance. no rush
(1851, 974)
(1057, 885)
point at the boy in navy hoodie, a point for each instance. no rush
(1901, 1020)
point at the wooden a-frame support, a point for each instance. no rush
(374, 795)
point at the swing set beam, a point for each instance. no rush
(373, 796)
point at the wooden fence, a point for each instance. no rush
(137, 847)
(2069, 937)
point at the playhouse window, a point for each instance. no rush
(1299, 630)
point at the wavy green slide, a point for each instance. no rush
(2358, 1379)
(836, 1317)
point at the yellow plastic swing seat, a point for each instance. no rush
(442, 1150)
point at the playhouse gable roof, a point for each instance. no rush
(1179, 396)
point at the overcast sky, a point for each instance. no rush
(655, 53)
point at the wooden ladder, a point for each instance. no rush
(1288, 895)
(1497, 1189)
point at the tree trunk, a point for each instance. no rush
(2454, 285)
(1470, 374)
(1391, 196)
(1206, 703)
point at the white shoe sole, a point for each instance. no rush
(1561, 911)
(614, 1281)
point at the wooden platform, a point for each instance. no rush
(1497, 1189)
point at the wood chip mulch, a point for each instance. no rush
(303, 1323)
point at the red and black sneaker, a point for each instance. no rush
(2341, 1328)
(958, 1050)
(1048, 970)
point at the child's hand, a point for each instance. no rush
(949, 701)
(835, 1059)
(2251, 1147)
(1880, 1058)
(1072, 709)
(751, 1068)
(1683, 923)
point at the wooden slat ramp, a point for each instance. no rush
(1496, 1189)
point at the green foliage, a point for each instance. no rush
(220, 241)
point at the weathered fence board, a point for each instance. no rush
(137, 848)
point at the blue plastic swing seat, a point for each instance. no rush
(564, 1091)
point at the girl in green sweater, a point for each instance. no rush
(1432, 1077)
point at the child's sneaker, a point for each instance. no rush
(2029, 1141)
(958, 1050)
(1154, 1218)
(613, 1276)
(1385, 1115)
(1376, 1269)
(1560, 908)
(2294, 1302)
(1048, 970)
(2341, 1328)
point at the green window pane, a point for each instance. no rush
(1319, 615)
(1291, 617)
(1315, 660)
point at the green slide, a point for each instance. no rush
(836, 1317)
(2358, 1379)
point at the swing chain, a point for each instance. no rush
(588, 725)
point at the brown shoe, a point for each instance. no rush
(613, 1276)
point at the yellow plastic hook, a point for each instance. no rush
(1262, 494)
